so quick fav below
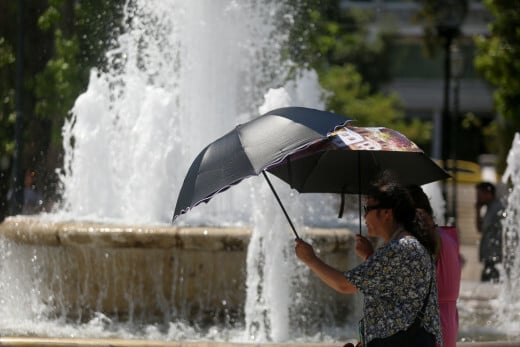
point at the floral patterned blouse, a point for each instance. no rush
(395, 281)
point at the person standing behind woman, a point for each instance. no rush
(397, 280)
(448, 267)
(490, 227)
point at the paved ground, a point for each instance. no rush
(43, 342)
(468, 235)
(472, 267)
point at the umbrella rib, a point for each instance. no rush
(281, 205)
(290, 172)
(342, 204)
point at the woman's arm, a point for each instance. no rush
(329, 275)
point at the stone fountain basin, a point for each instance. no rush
(150, 273)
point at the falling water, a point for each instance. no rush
(492, 311)
(509, 297)
(182, 74)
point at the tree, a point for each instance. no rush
(7, 117)
(9, 45)
(63, 40)
(497, 59)
(327, 35)
(352, 64)
(82, 31)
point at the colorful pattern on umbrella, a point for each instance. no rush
(350, 158)
(372, 139)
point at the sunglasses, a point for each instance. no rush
(373, 207)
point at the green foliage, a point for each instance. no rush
(353, 97)
(7, 118)
(6, 53)
(62, 41)
(498, 60)
(58, 85)
(326, 35)
(81, 32)
(50, 18)
(433, 16)
(352, 65)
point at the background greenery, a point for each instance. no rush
(64, 39)
(498, 60)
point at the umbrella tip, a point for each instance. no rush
(175, 216)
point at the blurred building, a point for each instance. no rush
(419, 79)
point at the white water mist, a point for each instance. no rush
(509, 298)
(182, 74)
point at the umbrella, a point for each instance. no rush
(251, 147)
(312, 150)
(351, 158)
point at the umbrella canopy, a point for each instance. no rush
(351, 158)
(251, 147)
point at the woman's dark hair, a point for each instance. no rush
(420, 198)
(398, 198)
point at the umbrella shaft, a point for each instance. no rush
(281, 205)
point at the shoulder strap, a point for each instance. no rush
(425, 303)
(420, 315)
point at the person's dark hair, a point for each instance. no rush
(486, 186)
(420, 198)
(398, 198)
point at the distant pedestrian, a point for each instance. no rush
(489, 211)
(32, 197)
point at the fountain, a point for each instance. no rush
(108, 264)
(509, 298)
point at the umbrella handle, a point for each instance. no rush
(281, 205)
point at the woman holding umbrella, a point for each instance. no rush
(397, 280)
